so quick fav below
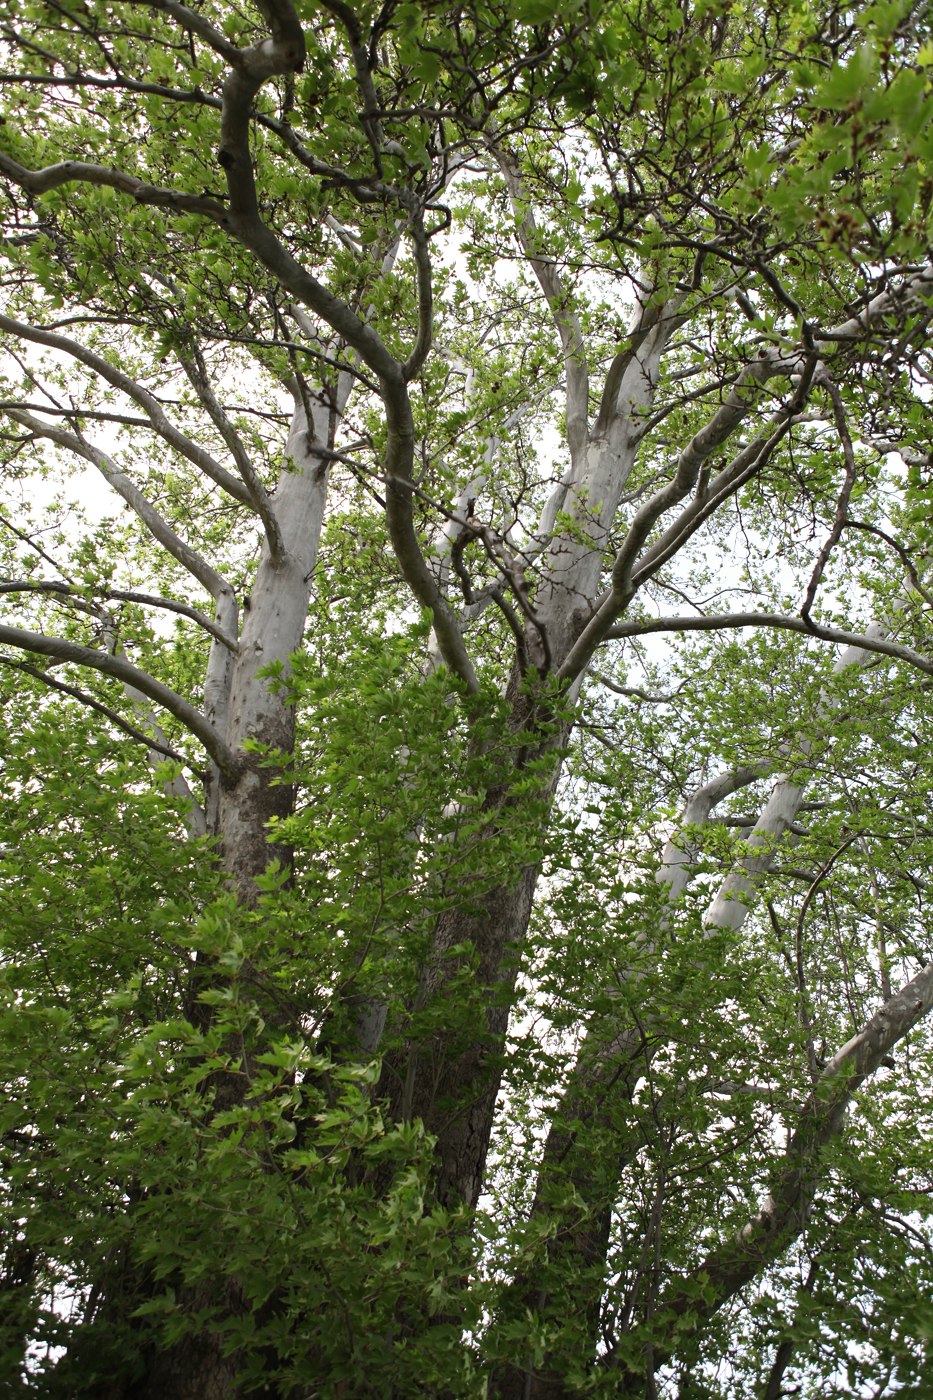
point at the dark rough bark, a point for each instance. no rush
(194, 1369)
(449, 1075)
(451, 1078)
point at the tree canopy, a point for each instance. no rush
(466, 645)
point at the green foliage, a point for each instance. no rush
(235, 1098)
(114, 1100)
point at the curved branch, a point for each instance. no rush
(61, 650)
(196, 371)
(70, 172)
(423, 341)
(197, 24)
(679, 852)
(910, 569)
(708, 499)
(123, 420)
(715, 622)
(367, 191)
(85, 699)
(701, 446)
(157, 526)
(245, 223)
(148, 402)
(783, 1214)
(121, 595)
(629, 572)
(283, 52)
(241, 219)
(400, 490)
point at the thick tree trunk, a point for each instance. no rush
(450, 1076)
(240, 809)
(450, 1079)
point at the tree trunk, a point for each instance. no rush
(240, 809)
(450, 1076)
(450, 1079)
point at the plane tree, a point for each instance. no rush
(466, 756)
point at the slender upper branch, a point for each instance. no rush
(196, 24)
(284, 51)
(842, 507)
(630, 571)
(196, 371)
(369, 114)
(169, 433)
(121, 595)
(632, 567)
(743, 466)
(157, 526)
(125, 671)
(690, 463)
(558, 299)
(93, 704)
(715, 622)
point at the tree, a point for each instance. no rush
(466, 818)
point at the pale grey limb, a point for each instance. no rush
(557, 296)
(61, 650)
(635, 563)
(282, 53)
(115, 477)
(680, 851)
(631, 569)
(154, 411)
(871, 640)
(730, 907)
